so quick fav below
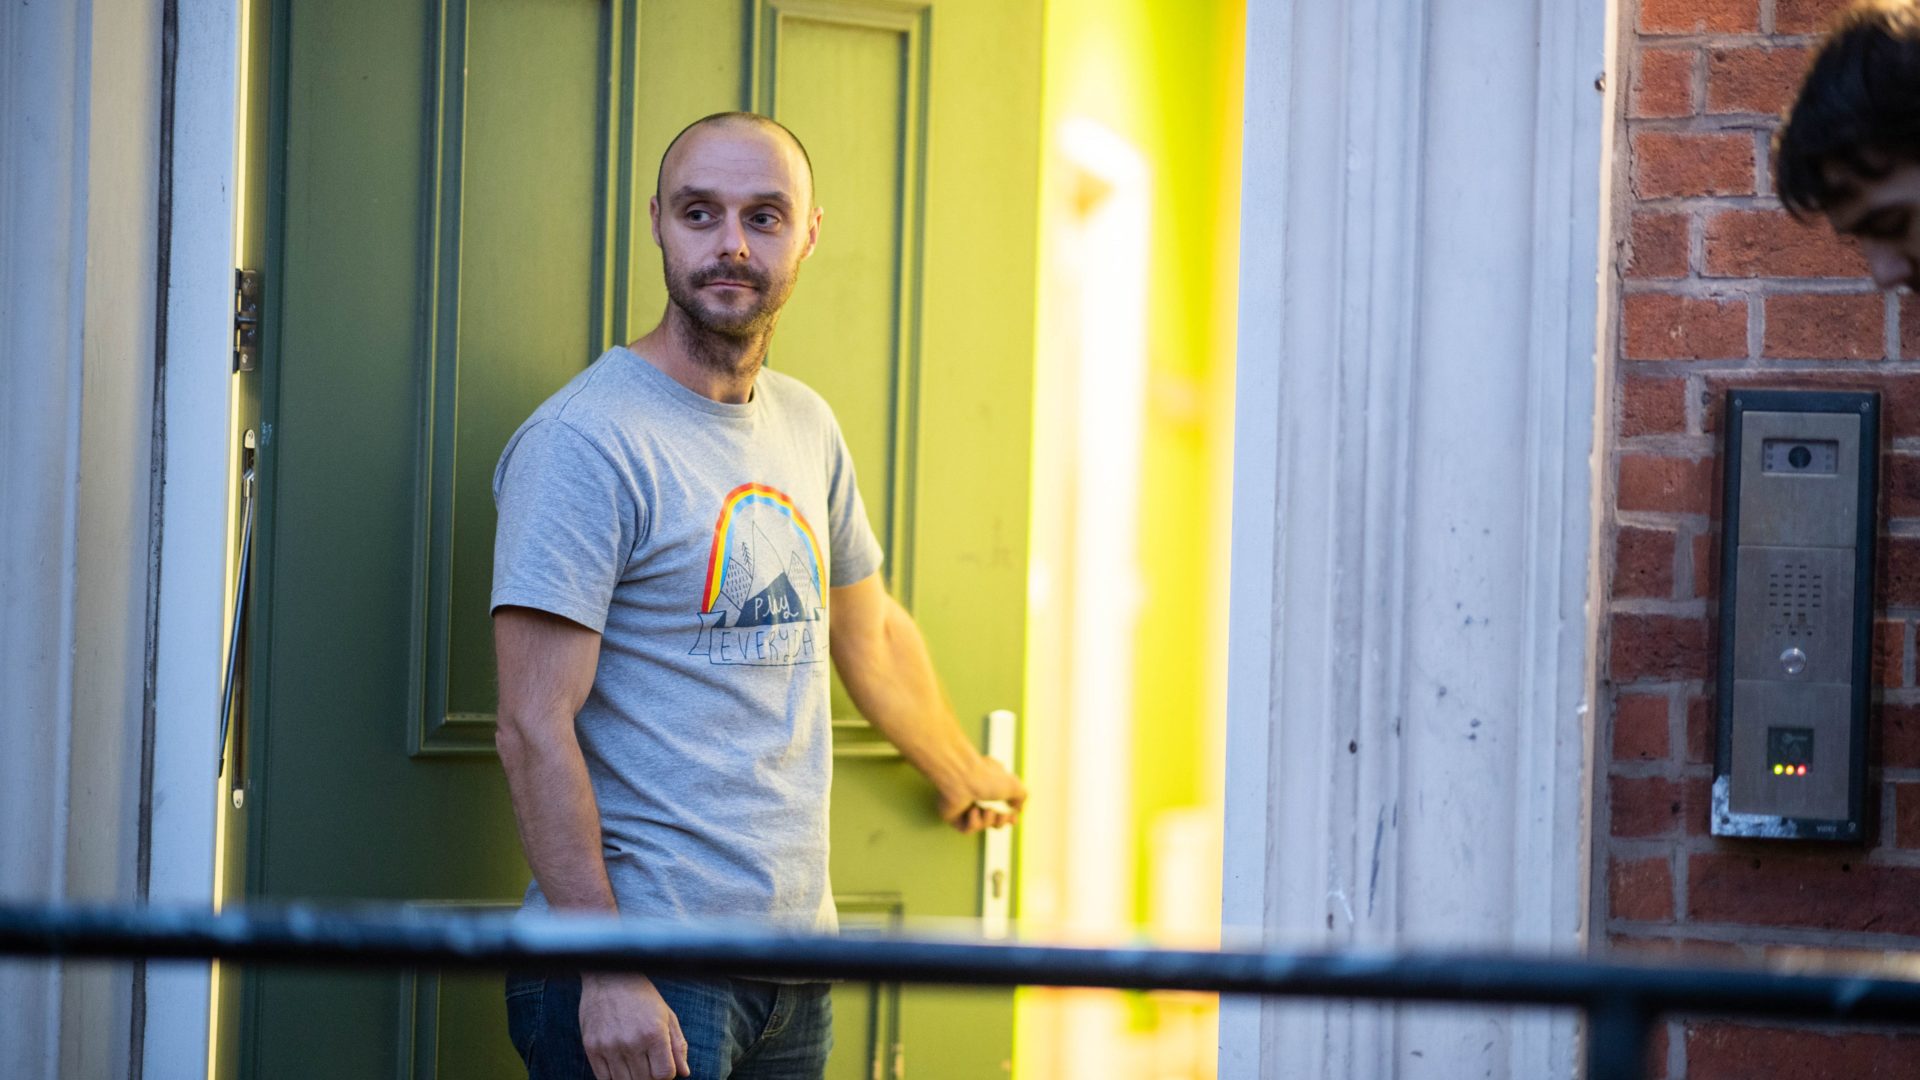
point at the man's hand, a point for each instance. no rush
(629, 1031)
(987, 796)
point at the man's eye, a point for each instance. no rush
(764, 221)
(698, 216)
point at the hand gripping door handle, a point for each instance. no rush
(239, 613)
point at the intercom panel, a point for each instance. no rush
(1799, 511)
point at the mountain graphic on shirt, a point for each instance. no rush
(763, 592)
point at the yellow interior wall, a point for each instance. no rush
(1166, 75)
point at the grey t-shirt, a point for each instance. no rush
(701, 540)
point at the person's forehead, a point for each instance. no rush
(731, 156)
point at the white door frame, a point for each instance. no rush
(112, 553)
(1409, 684)
(191, 609)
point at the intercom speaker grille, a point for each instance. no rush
(1796, 595)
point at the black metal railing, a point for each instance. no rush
(1620, 1001)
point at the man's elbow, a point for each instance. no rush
(518, 740)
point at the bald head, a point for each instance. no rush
(737, 123)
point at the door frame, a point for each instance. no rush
(1422, 284)
(194, 451)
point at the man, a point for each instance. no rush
(681, 547)
(1851, 145)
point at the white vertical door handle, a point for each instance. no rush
(996, 871)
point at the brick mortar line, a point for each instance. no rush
(1678, 203)
(1762, 39)
(1652, 687)
(1890, 326)
(1708, 287)
(1763, 159)
(1667, 444)
(1677, 700)
(1690, 843)
(1760, 285)
(1696, 250)
(1761, 936)
(1697, 88)
(1705, 123)
(1675, 523)
(1766, 365)
(1638, 848)
(1641, 605)
(1709, 607)
(1906, 646)
(1677, 868)
(1690, 448)
(1658, 687)
(1685, 573)
(1666, 768)
(1625, 934)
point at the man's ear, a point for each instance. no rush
(813, 231)
(653, 212)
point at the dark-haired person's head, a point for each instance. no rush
(1850, 148)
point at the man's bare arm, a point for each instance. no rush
(884, 662)
(546, 668)
(547, 665)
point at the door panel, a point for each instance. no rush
(461, 225)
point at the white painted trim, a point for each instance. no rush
(197, 494)
(1407, 738)
(42, 205)
(1256, 612)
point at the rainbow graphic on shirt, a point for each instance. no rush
(764, 588)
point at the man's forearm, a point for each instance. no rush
(558, 818)
(892, 682)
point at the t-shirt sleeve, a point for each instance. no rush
(856, 551)
(568, 522)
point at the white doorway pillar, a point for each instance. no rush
(1407, 736)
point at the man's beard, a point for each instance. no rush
(754, 320)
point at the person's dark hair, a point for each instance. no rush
(1858, 112)
(733, 118)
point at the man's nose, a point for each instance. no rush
(1890, 266)
(733, 237)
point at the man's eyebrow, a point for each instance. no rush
(690, 193)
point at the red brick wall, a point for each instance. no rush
(1717, 287)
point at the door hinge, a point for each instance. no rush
(246, 320)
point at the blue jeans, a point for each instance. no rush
(736, 1029)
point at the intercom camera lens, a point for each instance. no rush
(1799, 457)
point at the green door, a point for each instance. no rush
(458, 224)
